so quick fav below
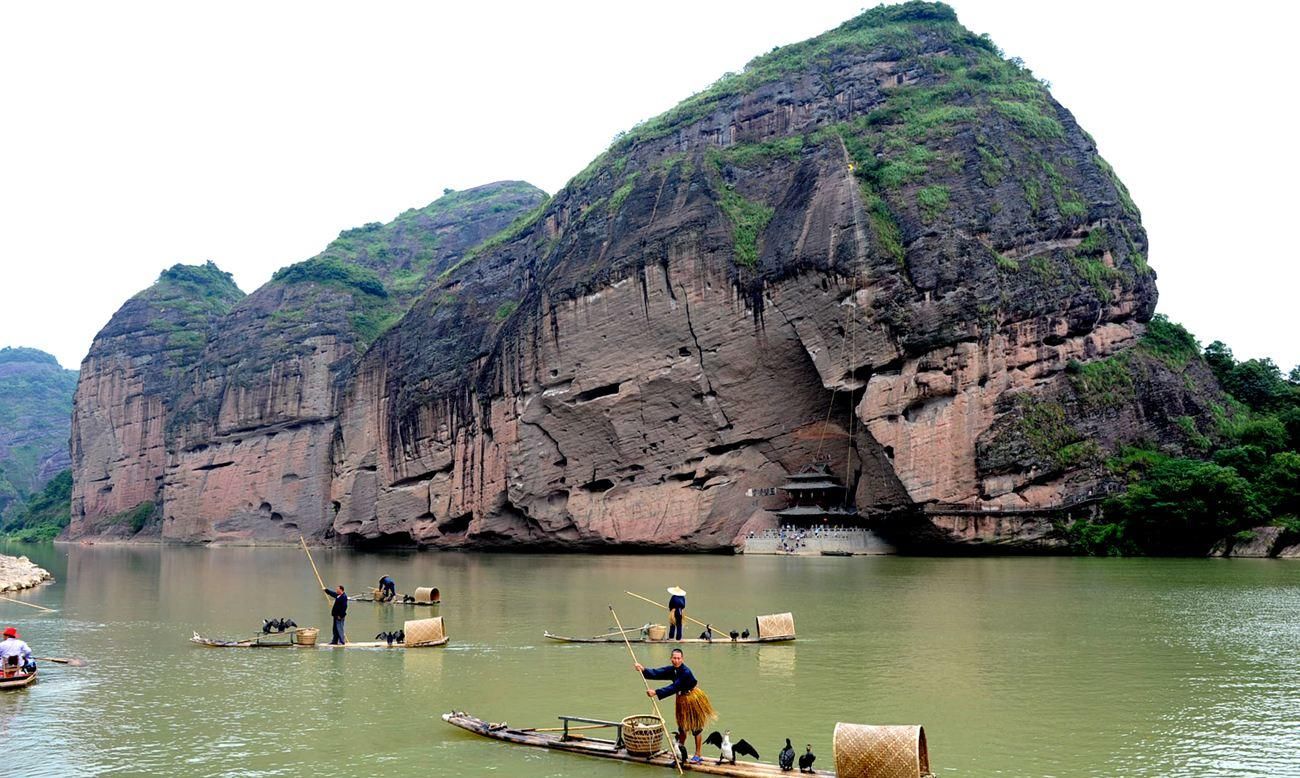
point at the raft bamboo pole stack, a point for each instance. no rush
(652, 602)
(28, 604)
(654, 701)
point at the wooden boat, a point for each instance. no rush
(566, 740)
(395, 601)
(17, 680)
(638, 637)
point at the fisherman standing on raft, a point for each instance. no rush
(676, 605)
(694, 711)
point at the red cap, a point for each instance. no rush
(10, 632)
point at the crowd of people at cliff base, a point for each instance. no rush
(15, 652)
(791, 538)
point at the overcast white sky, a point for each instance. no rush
(136, 135)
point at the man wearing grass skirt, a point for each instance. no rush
(694, 711)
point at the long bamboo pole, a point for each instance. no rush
(28, 604)
(652, 602)
(303, 541)
(653, 699)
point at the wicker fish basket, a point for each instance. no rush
(776, 625)
(643, 735)
(428, 594)
(656, 632)
(865, 751)
(306, 636)
(422, 632)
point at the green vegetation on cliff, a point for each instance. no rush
(45, 514)
(35, 408)
(1235, 478)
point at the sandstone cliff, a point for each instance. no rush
(886, 246)
(126, 390)
(250, 437)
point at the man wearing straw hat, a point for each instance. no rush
(676, 605)
(12, 646)
(693, 708)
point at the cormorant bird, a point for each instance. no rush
(734, 634)
(266, 626)
(786, 758)
(806, 761)
(744, 635)
(728, 751)
(288, 624)
(707, 634)
(680, 740)
(401, 636)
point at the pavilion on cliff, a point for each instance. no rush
(817, 497)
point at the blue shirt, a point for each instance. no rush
(677, 603)
(682, 677)
(340, 609)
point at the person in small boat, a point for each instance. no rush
(13, 646)
(676, 607)
(693, 710)
(387, 588)
(339, 612)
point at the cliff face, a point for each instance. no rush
(886, 246)
(249, 442)
(125, 392)
(35, 403)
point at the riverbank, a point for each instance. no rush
(19, 572)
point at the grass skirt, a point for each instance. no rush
(694, 711)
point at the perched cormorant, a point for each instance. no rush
(786, 758)
(707, 634)
(806, 761)
(728, 751)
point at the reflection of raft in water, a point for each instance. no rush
(775, 628)
(425, 595)
(420, 633)
(860, 750)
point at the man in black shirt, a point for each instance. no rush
(339, 612)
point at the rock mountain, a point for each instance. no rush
(35, 400)
(887, 248)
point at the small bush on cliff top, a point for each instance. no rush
(333, 272)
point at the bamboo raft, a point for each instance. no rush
(260, 642)
(721, 640)
(18, 680)
(566, 740)
(420, 633)
(427, 596)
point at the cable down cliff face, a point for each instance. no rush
(886, 247)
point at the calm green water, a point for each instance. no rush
(1016, 667)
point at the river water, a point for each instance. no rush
(1016, 667)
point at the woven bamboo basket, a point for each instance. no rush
(865, 751)
(776, 625)
(656, 632)
(643, 735)
(306, 636)
(427, 594)
(420, 632)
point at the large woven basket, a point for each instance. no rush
(865, 751)
(777, 625)
(656, 632)
(306, 636)
(422, 632)
(427, 594)
(643, 735)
